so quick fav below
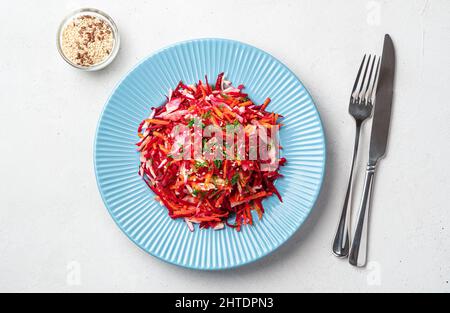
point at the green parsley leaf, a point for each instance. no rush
(199, 164)
(206, 115)
(235, 179)
(218, 163)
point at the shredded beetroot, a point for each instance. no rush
(207, 192)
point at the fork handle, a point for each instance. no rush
(341, 243)
(358, 250)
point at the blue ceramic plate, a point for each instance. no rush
(131, 203)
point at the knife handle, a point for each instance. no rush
(358, 250)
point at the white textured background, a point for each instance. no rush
(56, 235)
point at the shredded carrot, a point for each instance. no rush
(158, 134)
(208, 177)
(265, 104)
(157, 121)
(246, 103)
(203, 91)
(228, 112)
(259, 211)
(214, 120)
(164, 149)
(225, 167)
(217, 111)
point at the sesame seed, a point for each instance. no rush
(82, 46)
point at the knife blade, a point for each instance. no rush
(383, 104)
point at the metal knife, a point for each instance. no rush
(378, 143)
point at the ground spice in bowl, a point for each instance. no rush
(88, 39)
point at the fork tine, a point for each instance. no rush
(374, 85)
(366, 92)
(361, 88)
(359, 74)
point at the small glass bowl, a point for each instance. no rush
(101, 15)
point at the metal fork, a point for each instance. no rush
(361, 105)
